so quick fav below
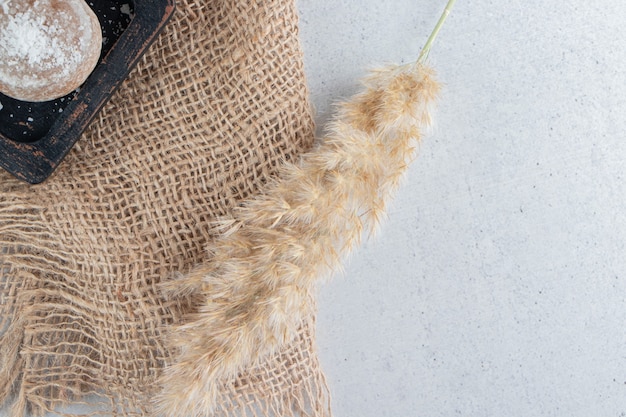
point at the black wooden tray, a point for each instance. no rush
(35, 137)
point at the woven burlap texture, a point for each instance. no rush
(204, 120)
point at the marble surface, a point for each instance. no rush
(497, 284)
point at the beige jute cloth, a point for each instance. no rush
(205, 119)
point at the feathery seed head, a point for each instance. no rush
(270, 254)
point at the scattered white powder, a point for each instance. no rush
(30, 119)
(125, 8)
(5, 5)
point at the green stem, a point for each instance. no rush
(426, 49)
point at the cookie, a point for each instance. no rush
(48, 48)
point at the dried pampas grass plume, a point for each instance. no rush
(275, 247)
(253, 293)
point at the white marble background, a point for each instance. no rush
(497, 285)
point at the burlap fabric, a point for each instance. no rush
(202, 122)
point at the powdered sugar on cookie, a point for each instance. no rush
(46, 42)
(28, 38)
